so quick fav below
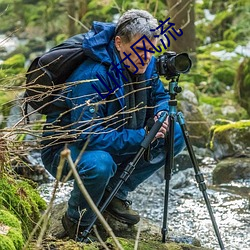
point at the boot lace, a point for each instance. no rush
(127, 203)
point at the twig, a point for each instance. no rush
(99, 238)
(137, 236)
(66, 154)
(77, 21)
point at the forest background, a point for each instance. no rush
(215, 34)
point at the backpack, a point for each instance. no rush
(48, 73)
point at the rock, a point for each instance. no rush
(150, 235)
(227, 110)
(181, 179)
(231, 169)
(232, 139)
(188, 95)
(197, 125)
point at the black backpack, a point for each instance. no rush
(48, 73)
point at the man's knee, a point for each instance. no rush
(97, 165)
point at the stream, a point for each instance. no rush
(187, 212)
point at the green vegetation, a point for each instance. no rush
(240, 131)
(22, 200)
(11, 237)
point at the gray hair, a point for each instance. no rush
(136, 22)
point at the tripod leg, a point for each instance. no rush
(199, 177)
(168, 173)
(129, 169)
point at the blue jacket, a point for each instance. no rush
(102, 121)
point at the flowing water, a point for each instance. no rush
(187, 212)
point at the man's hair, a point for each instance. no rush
(136, 22)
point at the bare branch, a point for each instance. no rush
(66, 154)
(79, 22)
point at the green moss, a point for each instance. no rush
(13, 71)
(14, 234)
(220, 24)
(9, 219)
(214, 101)
(22, 200)
(128, 244)
(224, 75)
(219, 102)
(17, 61)
(6, 243)
(16, 237)
(220, 132)
(228, 45)
(235, 125)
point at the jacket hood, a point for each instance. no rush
(98, 43)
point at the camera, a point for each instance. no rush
(172, 65)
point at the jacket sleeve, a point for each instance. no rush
(88, 118)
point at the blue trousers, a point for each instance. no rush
(100, 170)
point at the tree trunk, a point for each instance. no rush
(83, 7)
(182, 14)
(72, 12)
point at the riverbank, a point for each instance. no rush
(188, 215)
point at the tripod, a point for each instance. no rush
(169, 163)
(173, 90)
(129, 169)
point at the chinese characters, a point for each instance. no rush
(166, 29)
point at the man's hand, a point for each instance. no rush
(164, 128)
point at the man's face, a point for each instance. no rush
(145, 56)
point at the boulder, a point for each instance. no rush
(231, 169)
(197, 125)
(232, 139)
(150, 235)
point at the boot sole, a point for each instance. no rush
(121, 219)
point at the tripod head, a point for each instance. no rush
(171, 65)
(174, 89)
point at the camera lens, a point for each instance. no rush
(182, 63)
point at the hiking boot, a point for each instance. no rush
(121, 211)
(75, 231)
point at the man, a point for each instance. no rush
(108, 115)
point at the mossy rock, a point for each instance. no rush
(225, 75)
(22, 200)
(231, 139)
(242, 84)
(221, 107)
(10, 231)
(128, 244)
(231, 169)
